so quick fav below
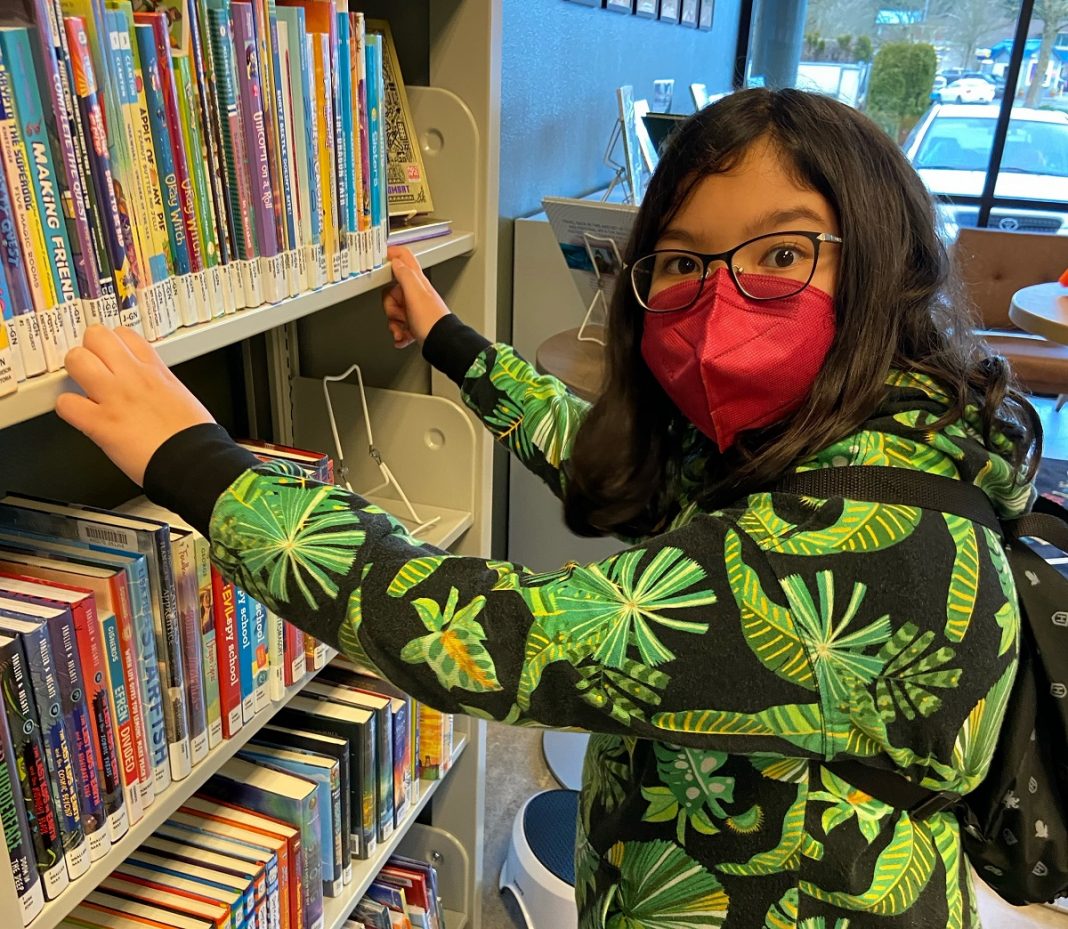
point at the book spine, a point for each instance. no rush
(25, 338)
(205, 232)
(284, 132)
(119, 703)
(136, 676)
(11, 369)
(311, 93)
(225, 615)
(20, 711)
(64, 645)
(276, 685)
(185, 576)
(384, 773)
(402, 759)
(145, 159)
(18, 54)
(247, 653)
(343, 129)
(365, 139)
(251, 104)
(223, 56)
(57, 745)
(328, 148)
(43, 324)
(62, 122)
(261, 660)
(203, 67)
(138, 607)
(87, 92)
(169, 646)
(15, 829)
(374, 129)
(295, 661)
(121, 114)
(263, 11)
(356, 200)
(158, 140)
(368, 777)
(182, 156)
(95, 681)
(209, 648)
(319, 161)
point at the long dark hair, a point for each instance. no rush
(896, 307)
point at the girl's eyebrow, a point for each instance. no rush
(771, 221)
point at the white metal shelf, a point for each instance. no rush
(337, 909)
(450, 526)
(164, 805)
(38, 395)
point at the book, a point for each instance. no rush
(109, 584)
(292, 799)
(15, 827)
(417, 229)
(325, 772)
(21, 323)
(58, 623)
(18, 56)
(37, 658)
(188, 859)
(89, 915)
(279, 836)
(107, 214)
(45, 324)
(146, 913)
(409, 190)
(336, 748)
(382, 708)
(357, 727)
(145, 537)
(84, 614)
(31, 772)
(187, 588)
(245, 853)
(347, 673)
(126, 887)
(141, 872)
(224, 600)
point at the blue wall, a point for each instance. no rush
(561, 64)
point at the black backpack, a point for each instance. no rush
(1014, 826)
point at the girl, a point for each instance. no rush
(783, 308)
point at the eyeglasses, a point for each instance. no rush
(769, 267)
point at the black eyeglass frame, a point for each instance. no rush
(816, 238)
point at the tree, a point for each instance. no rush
(968, 21)
(901, 79)
(1054, 16)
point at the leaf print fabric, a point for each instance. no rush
(719, 664)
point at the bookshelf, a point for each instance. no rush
(319, 333)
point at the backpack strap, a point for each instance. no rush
(931, 492)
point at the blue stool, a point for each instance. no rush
(540, 867)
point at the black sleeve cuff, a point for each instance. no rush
(452, 346)
(189, 472)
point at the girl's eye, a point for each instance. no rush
(784, 257)
(682, 264)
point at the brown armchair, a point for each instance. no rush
(993, 265)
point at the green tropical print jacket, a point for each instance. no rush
(718, 665)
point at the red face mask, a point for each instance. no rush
(730, 363)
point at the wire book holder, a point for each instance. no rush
(609, 160)
(592, 242)
(421, 525)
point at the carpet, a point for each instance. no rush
(1052, 480)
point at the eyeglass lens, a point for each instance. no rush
(771, 267)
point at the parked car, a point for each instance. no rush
(967, 90)
(950, 149)
(939, 83)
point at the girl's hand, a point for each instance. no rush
(133, 402)
(412, 305)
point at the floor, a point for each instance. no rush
(515, 770)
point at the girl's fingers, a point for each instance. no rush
(403, 255)
(80, 412)
(89, 372)
(138, 346)
(108, 347)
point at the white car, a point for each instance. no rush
(950, 149)
(967, 90)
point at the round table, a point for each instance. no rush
(1043, 310)
(580, 365)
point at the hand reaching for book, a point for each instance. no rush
(133, 402)
(412, 305)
